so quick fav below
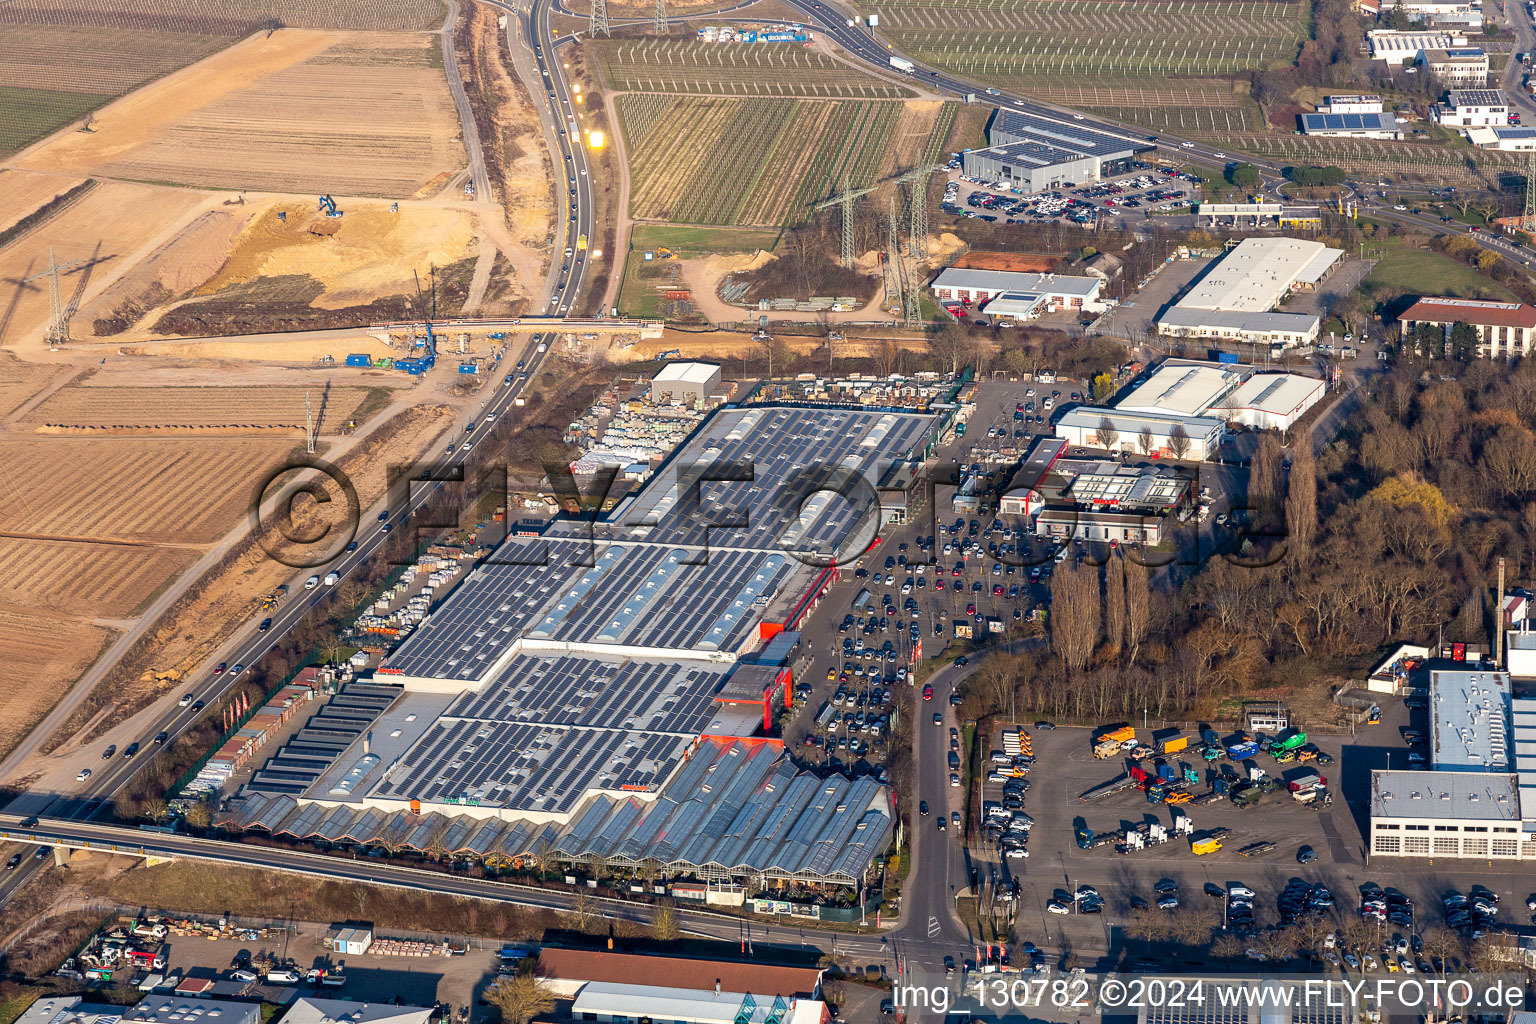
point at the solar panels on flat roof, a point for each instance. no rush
(1374, 122)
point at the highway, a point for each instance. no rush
(88, 798)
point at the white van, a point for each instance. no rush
(312, 583)
(282, 976)
(331, 577)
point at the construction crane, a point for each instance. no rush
(58, 323)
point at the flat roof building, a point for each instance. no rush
(1470, 108)
(1471, 801)
(1081, 425)
(1504, 329)
(69, 1010)
(1259, 272)
(195, 1010)
(1271, 401)
(1035, 153)
(1184, 389)
(1377, 124)
(1461, 67)
(690, 383)
(1399, 48)
(1048, 292)
(578, 695)
(607, 1001)
(1235, 298)
(1508, 138)
(1367, 103)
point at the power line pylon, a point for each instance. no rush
(917, 204)
(58, 324)
(309, 425)
(661, 17)
(1530, 190)
(892, 254)
(600, 17)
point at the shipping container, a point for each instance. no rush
(359, 359)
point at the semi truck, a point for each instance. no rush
(904, 65)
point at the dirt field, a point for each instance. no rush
(47, 653)
(83, 579)
(138, 489)
(20, 381)
(372, 253)
(195, 629)
(98, 411)
(22, 193)
(112, 228)
(300, 110)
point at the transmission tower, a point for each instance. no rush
(1530, 190)
(917, 178)
(600, 17)
(661, 17)
(309, 425)
(58, 324)
(913, 309)
(892, 254)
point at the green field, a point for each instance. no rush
(720, 69)
(27, 115)
(1404, 270)
(690, 162)
(683, 239)
(998, 39)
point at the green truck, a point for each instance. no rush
(1291, 739)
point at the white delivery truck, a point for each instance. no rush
(902, 64)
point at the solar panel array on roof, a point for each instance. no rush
(1372, 122)
(1018, 126)
(734, 809)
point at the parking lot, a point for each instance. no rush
(1130, 196)
(1396, 901)
(979, 568)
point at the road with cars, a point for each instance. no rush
(93, 793)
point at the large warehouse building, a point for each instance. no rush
(599, 691)
(1477, 799)
(1084, 425)
(1271, 401)
(1034, 153)
(1236, 298)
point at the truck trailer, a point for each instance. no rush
(902, 64)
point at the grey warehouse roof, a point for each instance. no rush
(1016, 281)
(1486, 796)
(1196, 319)
(1469, 720)
(1080, 140)
(734, 808)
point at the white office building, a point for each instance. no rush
(1032, 293)
(1271, 401)
(1472, 108)
(1509, 138)
(1083, 425)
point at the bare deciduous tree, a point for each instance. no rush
(1178, 441)
(1114, 601)
(1106, 434)
(1075, 614)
